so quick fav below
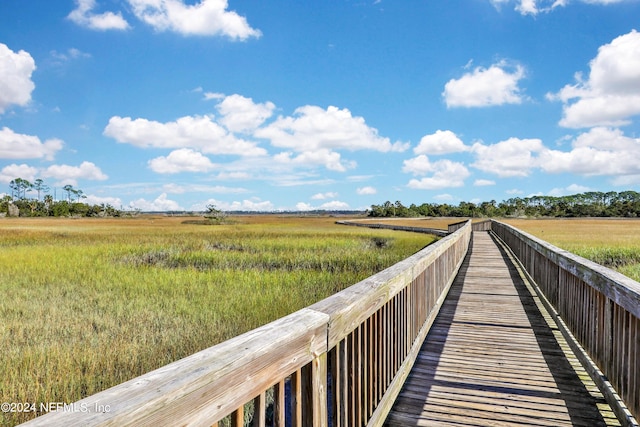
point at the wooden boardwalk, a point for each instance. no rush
(494, 357)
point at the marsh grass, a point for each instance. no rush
(614, 243)
(88, 304)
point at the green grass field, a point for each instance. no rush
(614, 243)
(89, 303)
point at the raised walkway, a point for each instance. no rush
(494, 357)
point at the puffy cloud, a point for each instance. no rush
(313, 128)
(206, 18)
(302, 206)
(19, 146)
(364, 191)
(162, 203)
(510, 158)
(334, 205)
(66, 174)
(611, 95)
(83, 15)
(483, 87)
(441, 142)
(15, 77)
(420, 165)
(445, 173)
(533, 7)
(316, 133)
(241, 114)
(97, 200)
(182, 160)
(601, 151)
(329, 159)
(11, 172)
(254, 205)
(196, 132)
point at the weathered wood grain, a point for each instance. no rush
(600, 308)
(494, 357)
(206, 386)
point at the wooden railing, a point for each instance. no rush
(339, 362)
(600, 307)
(375, 223)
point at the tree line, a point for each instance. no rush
(27, 198)
(588, 204)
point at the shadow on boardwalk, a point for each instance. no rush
(495, 358)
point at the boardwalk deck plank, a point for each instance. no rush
(494, 357)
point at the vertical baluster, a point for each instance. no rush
(296, 398)
(237, 417)
(279, 409)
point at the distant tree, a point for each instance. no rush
(40, 187)
(213, 214)
(19, 188)
(594, 203)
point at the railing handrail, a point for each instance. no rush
(596, 306)
(623, 290)
(206, 386)
(370, 223)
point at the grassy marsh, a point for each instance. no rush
(90, 303)
(614, 243)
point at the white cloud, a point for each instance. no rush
(600, 151)
(313, 128)
(323, 196)
(364, 191)
(316, 134)
(15, 77)
(182, 160)
(611, 95)
(334, 205)
(206, 18)
(302, 206)
(445, 173)
(511, 158)
(212, 95)
(571, 189)
(196, 132)
(19, 146)
(483, 87)
(66, 174)
(162, 203)
(83, 15)
(11, 172)
(321, 157)
(254, 205)
(533, 7)
(420, 165)
(241, 114)
(97, 200)
(440, 142)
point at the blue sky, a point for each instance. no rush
(297, 105)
